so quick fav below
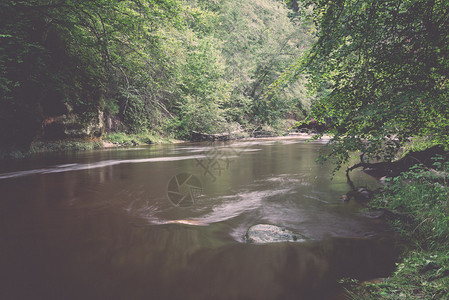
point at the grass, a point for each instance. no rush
(65, 145)
(51, 146)
(124, 139)
(420, 275)
(422, 196)
(118, 138)
(418, 144)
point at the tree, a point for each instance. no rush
(86, 55)
(386, 66)
(196, 102)
(259, 42)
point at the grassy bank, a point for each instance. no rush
(124, 139)
(118, 139)
(51, 146)
(420, 201)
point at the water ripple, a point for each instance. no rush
(100, 164)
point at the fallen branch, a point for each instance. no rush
(395, 168)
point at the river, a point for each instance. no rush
(169, 222)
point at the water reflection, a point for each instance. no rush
(98, 225)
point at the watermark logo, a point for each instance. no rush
(183, 189)
(217, 159)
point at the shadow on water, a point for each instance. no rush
(98, 225)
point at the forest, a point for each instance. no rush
(373, 73)
(82, 68)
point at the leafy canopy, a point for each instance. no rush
(386, 66)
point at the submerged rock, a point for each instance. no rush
(264, 233)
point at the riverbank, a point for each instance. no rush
(52, 146)
(120, 139)
(419, 204)
(107, 141)
(123, 140)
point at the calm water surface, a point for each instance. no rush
(101, 225)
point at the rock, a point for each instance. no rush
(264, 233)
(364, 194)
(72, 125)
(383, 180)
(344, 198)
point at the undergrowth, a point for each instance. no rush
(124, 139)
(421, 197)
(51, 146)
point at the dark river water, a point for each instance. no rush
(169, 222)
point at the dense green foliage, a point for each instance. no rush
(421, 197)
(77, 68)
(383, 67)
(122, 139)
(422, 194)
(78, 57)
